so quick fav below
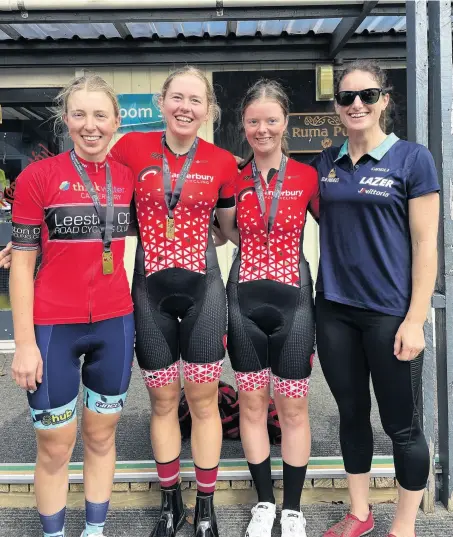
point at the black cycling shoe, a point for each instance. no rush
(205, 521)
(172, 514)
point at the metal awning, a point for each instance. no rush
(294, 31)
(173, 30)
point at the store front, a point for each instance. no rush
(27, 130)
(135, 50)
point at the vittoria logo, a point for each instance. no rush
(374, 192)
(147, 172)
(247, 178)
(244, 193)
(157, 156)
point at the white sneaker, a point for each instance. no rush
(263, 516)
(92, 535)
(293, 524)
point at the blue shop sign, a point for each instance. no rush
(139, 112)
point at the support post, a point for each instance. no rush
(441, 146)
(417, 131)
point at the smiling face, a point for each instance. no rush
(92, 122)
(265, 125)
(360, 116)
(185, 106)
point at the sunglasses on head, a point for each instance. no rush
(367, 96)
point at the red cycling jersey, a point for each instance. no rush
(52, 208)
(275, 255)
(209, 183)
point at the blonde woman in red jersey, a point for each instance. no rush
(75, 208)
(178, 293)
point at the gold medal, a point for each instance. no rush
(170, 229)
(107, 262)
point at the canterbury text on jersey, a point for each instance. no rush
(208, 183)
(276, 255)
(53, 209)
(365, 246)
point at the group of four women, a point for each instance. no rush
(376, 199)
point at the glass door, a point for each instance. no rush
(26, 135)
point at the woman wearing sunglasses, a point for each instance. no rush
(378, 249)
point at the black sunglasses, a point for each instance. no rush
(367, 96)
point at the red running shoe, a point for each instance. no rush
(351, 526)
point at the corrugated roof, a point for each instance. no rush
(169, 30)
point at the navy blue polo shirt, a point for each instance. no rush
(365, 244)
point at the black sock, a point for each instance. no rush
(293, 483)
(262, 477)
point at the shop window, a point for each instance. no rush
(26, 135)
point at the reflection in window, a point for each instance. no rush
(26, 135)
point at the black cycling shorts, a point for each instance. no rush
(271, 328)
(180, 313)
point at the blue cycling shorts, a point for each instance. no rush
(108, 349)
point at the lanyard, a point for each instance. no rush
(106, 226)
(172, 197)
(276, 195)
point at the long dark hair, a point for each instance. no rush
(273, 91)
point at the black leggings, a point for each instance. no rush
(352, 344)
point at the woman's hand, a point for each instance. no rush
(409, 340)
(5, 256)
(239, 160)
(27, 366)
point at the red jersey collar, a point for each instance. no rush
(92, 167)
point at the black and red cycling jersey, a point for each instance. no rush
(276, 255)
(53, 209)
(209, 183)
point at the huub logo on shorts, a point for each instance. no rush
(151, 171)
(52, 419)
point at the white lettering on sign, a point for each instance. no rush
(134, 113)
